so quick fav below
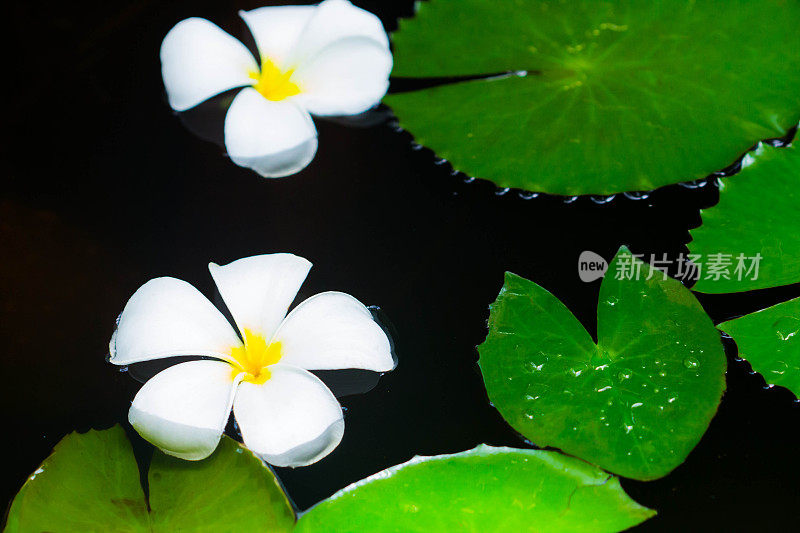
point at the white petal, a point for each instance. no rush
(258, 290)
(273, 138)
(346, 78)
(276, 29)
(183, 409)
(292, 419)
(199, 60)
(331, 331)
(334, 20)
(167, 317)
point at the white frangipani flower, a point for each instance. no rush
(286, 415)
(327, 59)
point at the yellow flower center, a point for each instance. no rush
(272, 83)
(254, 356)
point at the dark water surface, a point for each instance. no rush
(107, 189)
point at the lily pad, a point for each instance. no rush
(635, 403)
(484, 489)
(770, 341)
(231, 491)
(608, 96)
(91, 484)
(757, 217)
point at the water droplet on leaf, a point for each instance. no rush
(779, 368)
(787, 327)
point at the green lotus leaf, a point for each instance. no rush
(231, 491)
(617, 96)
(635, 403)
(484, 489)
(91, 483)
(770, 341)
(752, 235)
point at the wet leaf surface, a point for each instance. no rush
(618, 96)
(484, 489)
(770, 341)
(757, 216)
(637, 402)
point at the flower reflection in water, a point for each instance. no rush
(285, 413)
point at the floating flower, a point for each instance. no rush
(286, 415)
(330, 59)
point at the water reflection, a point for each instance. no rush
(346, 382)
(343, 382)
(207, 119)
(145, 370)
(349, 381)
